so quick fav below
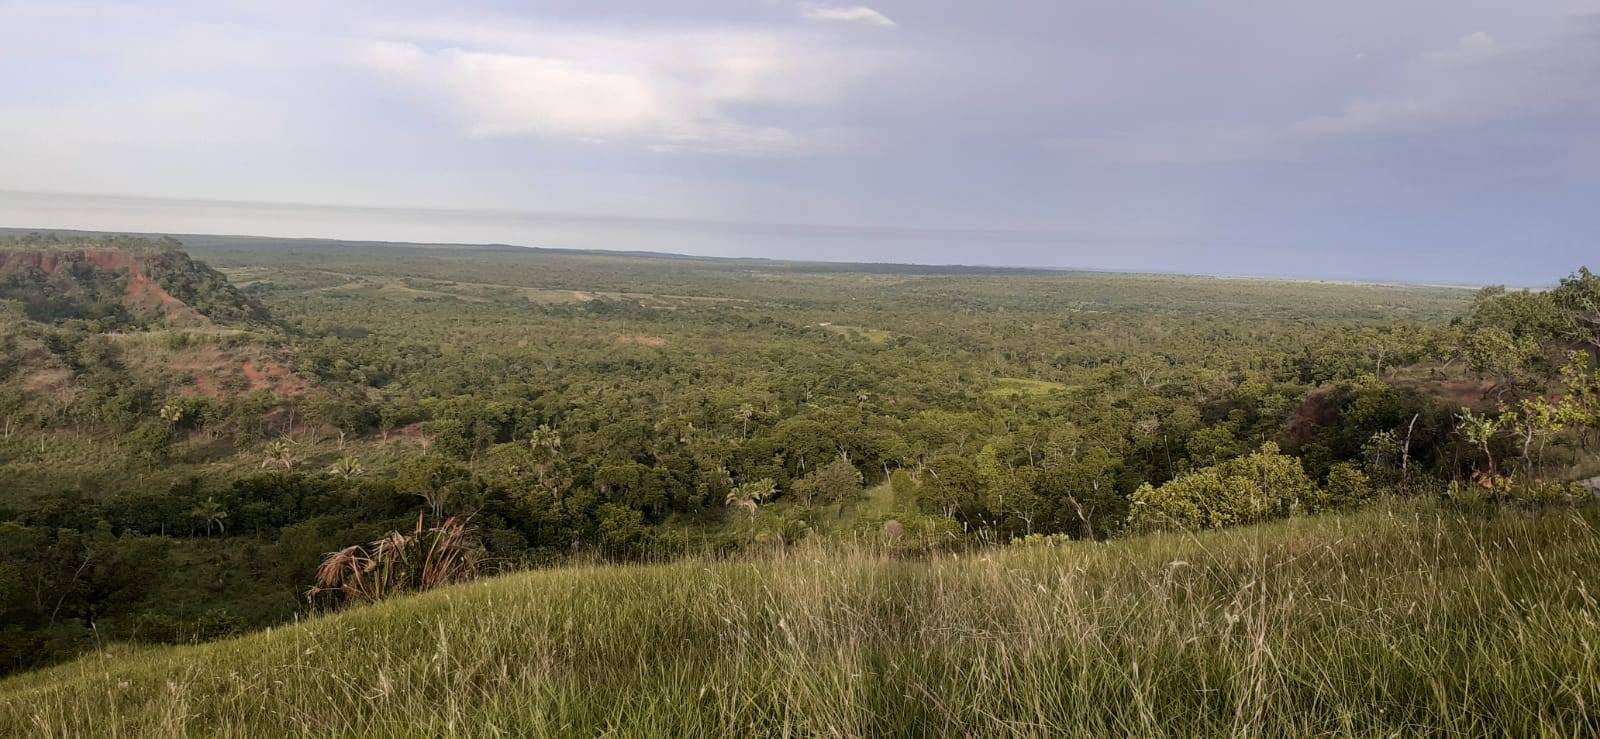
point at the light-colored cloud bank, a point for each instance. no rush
(1440, 139)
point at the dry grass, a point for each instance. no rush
(1403, 619)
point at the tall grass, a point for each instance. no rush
(1403, 619)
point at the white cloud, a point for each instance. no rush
(507, 94)
(859, 14)
(685, 90)
(1477, 42)
(1475, 81)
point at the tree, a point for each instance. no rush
(833, 482)
(1578, 296)
(150, 442)
(1346, 487)
(281, 452)
(425, 559)
(1480, 432)
(1255, 487)
(904, 487)
(744, 413)
(210, 513)
(749, 495)
(347, 468)
(1086, 481)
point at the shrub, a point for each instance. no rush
(1347, 486)
(1246, 489)
(423, 560)
(150, 442)
(833, 482)
(904, 487)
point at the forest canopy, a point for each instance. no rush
(174, 478)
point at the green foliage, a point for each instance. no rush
(1259, 486)
(615, 407)
(834, 482)
(1346, 487)
(96, 279)
(904, 487)
(1409, 619)
(150, 442)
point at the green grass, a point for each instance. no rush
(1404, 619)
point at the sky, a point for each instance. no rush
(1420, 140)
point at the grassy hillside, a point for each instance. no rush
(1405, 618)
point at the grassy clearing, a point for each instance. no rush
(1023, 387)
(395, 290)
(874, 335)
(1402, 619)
(408, 288)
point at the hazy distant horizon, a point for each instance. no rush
(1428, 141)
(845, 243)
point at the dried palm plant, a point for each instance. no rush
(425, 559)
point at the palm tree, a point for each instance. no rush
(545, 440)
(546, 445)
(749, 495)
(422, 560)
(211, 513)
(172, 413)
(347, 468)
(280, 452)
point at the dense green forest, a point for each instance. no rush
(182, 446)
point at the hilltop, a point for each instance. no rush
(119, 282)
(1406, 618)
(128, 318)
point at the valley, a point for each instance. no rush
(201, 441)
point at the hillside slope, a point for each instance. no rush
(129, 280)
(1405, 618)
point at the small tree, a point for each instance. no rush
(1480, 432)
(151, 442)
(750, 495)
(347, 468)
(833, 482)
(210, 513)
(904, 487)
(281, 452)
(1255, 487)
(1347, 486)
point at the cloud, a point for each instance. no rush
(1478, 80)
(720, 90)
(858, 14)
(1477, 42)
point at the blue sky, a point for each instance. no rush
(1429, 140)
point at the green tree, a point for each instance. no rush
(834, 482)
(1255, 487)
(150, 442)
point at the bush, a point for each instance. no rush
(1347, 486)
(1489, 489)
(834, 482)
(904, 487)
(1246, 489)
(150, 442)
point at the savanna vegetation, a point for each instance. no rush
(1023, 467)
(1407, 617)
